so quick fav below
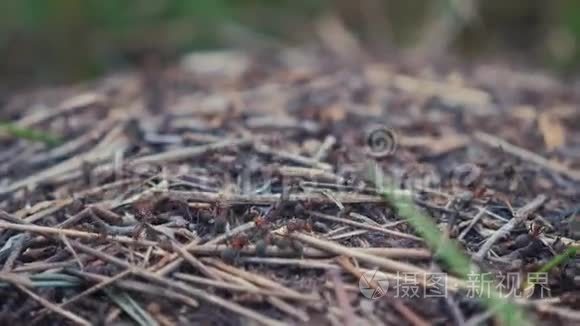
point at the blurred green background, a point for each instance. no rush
(45, 41)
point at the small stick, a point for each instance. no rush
(57, 205)
(15, 251)
(97, 154)
(258, 280)
(141, 287)
(410, 315)
(276, 302)
(96, 288)
(198, 293)
(77, 102)
(385, 263)
(527, 155)
(270, 199)
(72, 250)
(40, 267)
(15, 279)
(301, 263)
(239, 229)
(190, 152)
(273, 251)
(326, 145)
(307, 173)
(196, 263)
(365, 226)
(299, 159)
(473, 221)
(51, 306)
(239, 288)
(342, 298)
(74, 233)
(520, 215)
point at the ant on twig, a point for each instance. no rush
(235, 246)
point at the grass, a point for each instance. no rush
(14, 130)
(131, 308)
(559, 259)
(506, 311)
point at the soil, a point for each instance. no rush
(235, 189)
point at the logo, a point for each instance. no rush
(381, 142)
(373, 284)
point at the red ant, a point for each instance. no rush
(239, 241)
(261, 223)
(236, 244)
(295, 225)
(536, 229)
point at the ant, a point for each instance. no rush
(295, 225)
(536, 229)
(262, 223)
(236, 244)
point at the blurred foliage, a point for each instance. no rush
(44, 40)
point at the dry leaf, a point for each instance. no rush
(552, 130)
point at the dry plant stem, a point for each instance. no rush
(189, 152)
(342, 298)
(276, 302)
(41, 267)
(194, 262)
(269, 199)
(197, 293)
(410, 315)
(142, 287)
(173, 261)
(259, 280)
(97, 287)
(308, 173)
(324, 148)
(72, 250)
(302, 160)
(472, 223)
(301, 263)
(273, 251)
(365, 226)
(54, 308)
(57, 205)
(74, 233)
(73, 145)
(385, 263)
(527, 155)
(236, 288)
(77, 102)
(519, 216)
(9, 217)
(358, 272)
(74, 163)
(239, 229)
(16, 250)
(15, 279)
(347, 235)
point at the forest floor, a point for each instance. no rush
(232, 189)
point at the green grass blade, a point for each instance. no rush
(29, 134)
(558, 260)
(131, 308)
(507, 312)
